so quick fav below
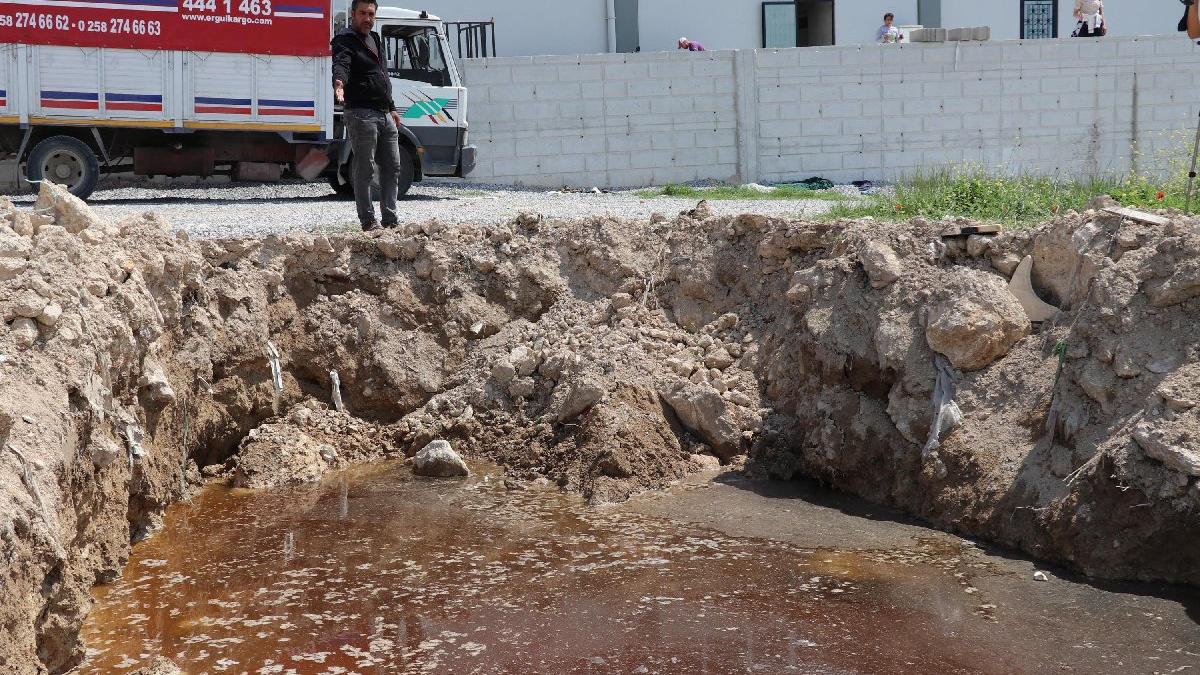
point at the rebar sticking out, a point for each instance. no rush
(276, 375)
(336, 384)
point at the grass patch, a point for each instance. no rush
(1020, 200)
(731, 192)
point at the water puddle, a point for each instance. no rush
(373, 571)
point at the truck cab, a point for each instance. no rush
(429, 95)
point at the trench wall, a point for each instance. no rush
(1078, 107)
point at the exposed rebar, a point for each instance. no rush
(336, 385)
(276, 375)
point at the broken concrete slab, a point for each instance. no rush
(1021, 286)
(1139, 216)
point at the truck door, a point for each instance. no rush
(431, 102)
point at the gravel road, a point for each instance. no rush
(232, 209)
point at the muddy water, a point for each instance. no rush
(373, 571)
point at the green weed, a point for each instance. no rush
(1012, 200)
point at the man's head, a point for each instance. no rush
(362, 15)
(888, 18)
(684, 43)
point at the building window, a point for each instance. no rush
(779, 24)
(1039, 19)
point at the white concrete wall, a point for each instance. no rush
(1061, 107)
(604, 119)
(528, 27)
(857, 21)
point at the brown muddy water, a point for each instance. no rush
(375, 571)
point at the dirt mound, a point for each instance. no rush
(609, 357)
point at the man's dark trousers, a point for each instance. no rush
(374, 136)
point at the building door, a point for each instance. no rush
(628, 37)
(1039, 19)
(803, 23)
(929, 13)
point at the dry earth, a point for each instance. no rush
(608, 357)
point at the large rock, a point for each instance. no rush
(70, 211)
(1177, 449)
(1183, 285)
(977, 323)
(881, 264)
(716, 421)
(438, 459)
(278, 454)
(580, 399)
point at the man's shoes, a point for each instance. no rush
(391, 226)
(370, 227)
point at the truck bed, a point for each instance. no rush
(56, 85)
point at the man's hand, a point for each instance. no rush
(339, 91)
(396, 118)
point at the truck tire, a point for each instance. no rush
(343, 190)
(407, 169)
(67, 161)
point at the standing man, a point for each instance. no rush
(691, 45)
(361, 83)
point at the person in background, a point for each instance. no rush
(889, 34)
(691, 45)
(1090, 15)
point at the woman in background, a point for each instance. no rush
(1090, 15)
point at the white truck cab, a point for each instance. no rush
(429, 95)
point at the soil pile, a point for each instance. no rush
(606, 356)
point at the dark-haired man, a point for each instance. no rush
(361, 83)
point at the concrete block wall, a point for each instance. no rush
(604, 119)
(1060, 107)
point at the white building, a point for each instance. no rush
(536, 27)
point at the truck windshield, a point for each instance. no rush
(415, 53)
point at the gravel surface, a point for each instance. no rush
(232, 209)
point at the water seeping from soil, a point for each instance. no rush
(375, 571)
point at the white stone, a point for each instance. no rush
(621, 300)
(439, 460)
(50, 314)
(882, 266)
(580, 399)
(24, 332)
(503, 371)
(28, 304)
(1170, 451)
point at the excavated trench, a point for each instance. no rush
(605, 357)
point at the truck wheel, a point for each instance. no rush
(66, 161)
(343, 190)
(407, 171)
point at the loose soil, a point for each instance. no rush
(604, 357)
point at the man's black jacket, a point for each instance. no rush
(363, 75)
